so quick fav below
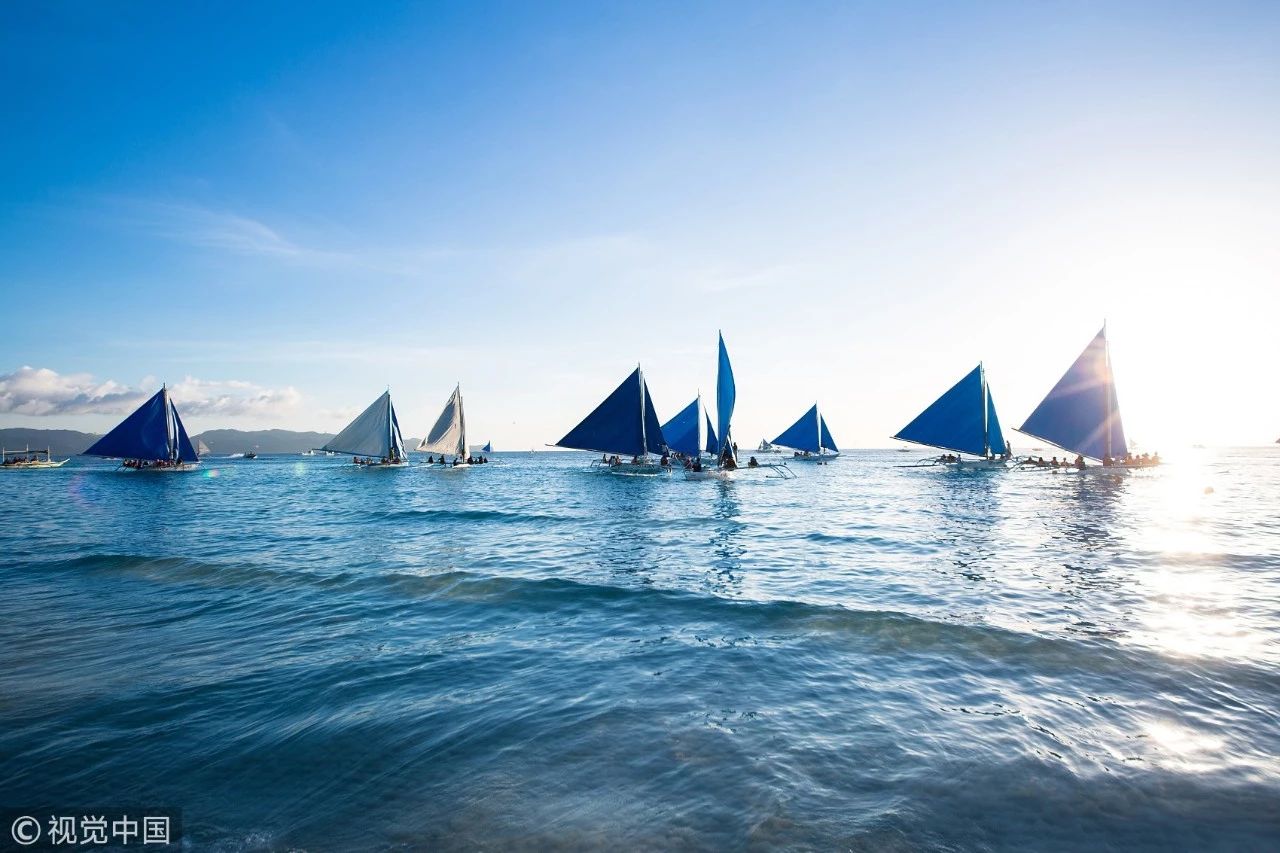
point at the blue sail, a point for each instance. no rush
(655, 442)
(712, 444)
(726, 396)
(803, 434)
(142, 435)
(186, 452)
(1081, 413)
(995, 436)
(828, 442)
(682, 433)
(955, 420)
(488, 447)
(617, 426)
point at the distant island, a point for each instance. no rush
(221, 442)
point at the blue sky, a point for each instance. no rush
(282, 210)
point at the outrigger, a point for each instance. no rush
(28, 460)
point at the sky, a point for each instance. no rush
(283, 209)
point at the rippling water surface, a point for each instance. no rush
(527, 655)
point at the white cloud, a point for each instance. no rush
(43, 392)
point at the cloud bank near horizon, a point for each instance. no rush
(41, 392)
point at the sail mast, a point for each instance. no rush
(170, 430)
(986, 426)
(1106, 360)
(644, 436)
(817, 426)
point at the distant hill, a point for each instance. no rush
(68, 442)
(61, 442)
(225, 441)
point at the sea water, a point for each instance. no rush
(530, 655)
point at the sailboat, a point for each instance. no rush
(963, 420)
(373, 438)
(202, 449)
(810, 438)
(623, 426)
(726, 397)
(449, 435)
(151, 439)
(488, 447)
(690, 432)
(1081, 414)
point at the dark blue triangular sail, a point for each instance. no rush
(712, 443)
(615, 426)
(186, 452)
(142, 435)
(1081, 413)
(828, 442)
(804, 434)
(654, 440)
(955, 421)
(682, 433)
(488, 447)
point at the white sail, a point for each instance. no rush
(376, 432)
(449, 435)
(201, 447)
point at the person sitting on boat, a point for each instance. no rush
(1008, 452)
(1079, 461)
(752, 463)
(1155, 458)
(1107, 461)
(697, 464)
(665, 461)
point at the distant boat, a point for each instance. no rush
(251, 454)
(28, 460)
(449, 435)
(1081, 414)
(488, 447)
(151, 439)
(810, 438)
(962, 420)
(373, 438)
(624, 426)
(202, 448)
(766, 446)
(308, 452)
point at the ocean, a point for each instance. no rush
(528, 655)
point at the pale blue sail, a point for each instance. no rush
(962, 420)
(624, 423)
(1082, 413)
(152, 433)
(726, 396)
(374, 433)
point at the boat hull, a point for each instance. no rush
(33, 466)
